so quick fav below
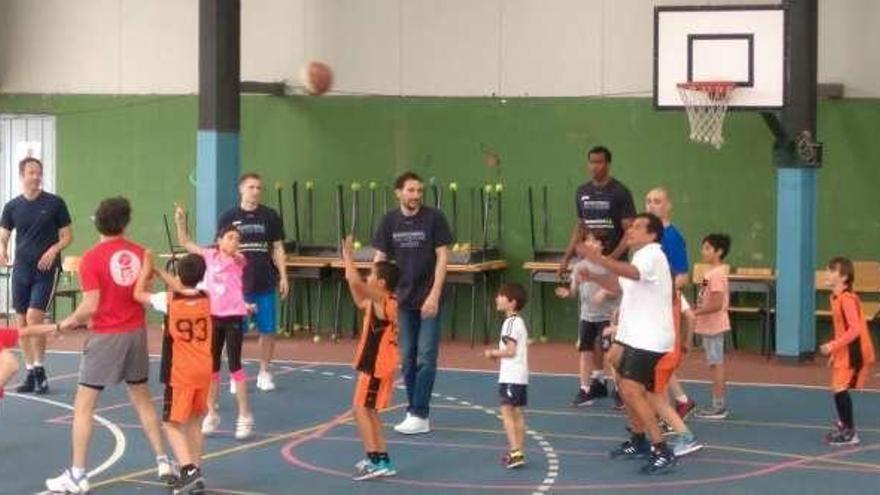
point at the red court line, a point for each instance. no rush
(288, 452)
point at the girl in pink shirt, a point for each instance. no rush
(223, 282)
(712, 320)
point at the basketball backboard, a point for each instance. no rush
(743, 44)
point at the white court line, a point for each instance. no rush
(118, 436)
(546, 373)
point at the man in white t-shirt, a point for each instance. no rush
(645, 332)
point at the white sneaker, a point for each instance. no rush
(210, 423)
(265, 382)
(232, 387)
(244, 427)
(66, 483)
(413, 425)
(167, 471)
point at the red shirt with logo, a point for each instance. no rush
(112, 268)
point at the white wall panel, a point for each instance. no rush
(450, 47)
(551, 48)
(359, 39)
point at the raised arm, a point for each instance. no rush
(361, 293)
(142, 285)
(182, 236)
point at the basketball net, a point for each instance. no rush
(706, 105)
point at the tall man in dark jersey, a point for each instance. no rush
(602, 203)
(417, 238)
(262, 244)
(42, 225)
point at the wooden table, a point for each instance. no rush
(470, 274)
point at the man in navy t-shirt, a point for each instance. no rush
(602, 203)
(417, 238)
(262, 244)
(42, 225)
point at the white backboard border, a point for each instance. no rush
(665, 102)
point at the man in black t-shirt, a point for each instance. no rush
(262, 244)
(417, 238)
(42, 225)
(603, 203)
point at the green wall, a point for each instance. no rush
(144, 147)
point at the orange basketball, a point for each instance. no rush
(316, 77)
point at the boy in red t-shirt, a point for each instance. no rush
(116, 350)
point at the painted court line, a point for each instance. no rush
(209, 490)
(118, 436)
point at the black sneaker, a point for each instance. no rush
(514, 459)
(661, 462)
(27, 387)
(41, 381)
(190, 481)
(631, 449)
(598, 389)
(582, 399)
(843, 438)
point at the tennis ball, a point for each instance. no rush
(279, 185)
(498, 187)
(355, 186)
(487, 188)
(357, 244)
(310, 184)
(316, 338)
(543, 339)
(453, 186)
(372, 184)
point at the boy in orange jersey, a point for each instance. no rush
(186, 361)
(851, 350)
(376, 359)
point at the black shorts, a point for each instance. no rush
(32, 288)
(588, 333)
(228, 330)
(513, 394)
(638, 365)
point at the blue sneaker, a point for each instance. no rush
(387, 468)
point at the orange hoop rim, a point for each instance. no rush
(708, 86)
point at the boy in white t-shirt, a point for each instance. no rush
(513, 375)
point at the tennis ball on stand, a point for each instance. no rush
(487, 188)
(279, 186)
(543, 339)
(498, 187)
(372, 184)
(453, 186)
(310, 184)
(355, 186)
(316, 338)
(357, 244)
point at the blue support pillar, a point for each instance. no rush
(217, 170)
(795, 262)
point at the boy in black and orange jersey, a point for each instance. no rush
(376, 358)
(851, 350)
(187, 362)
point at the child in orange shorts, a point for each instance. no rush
(187, 361)
(850, 351)
(376, 359)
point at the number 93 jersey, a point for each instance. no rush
(186, 345)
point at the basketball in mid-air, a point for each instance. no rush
(316, 78)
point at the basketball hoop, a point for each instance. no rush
(706, 104)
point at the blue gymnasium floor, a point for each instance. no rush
(305, 443)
